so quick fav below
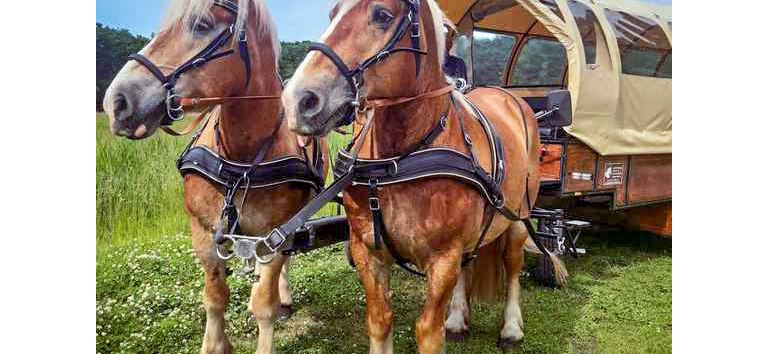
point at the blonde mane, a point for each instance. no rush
(438, 18)
(194, 11)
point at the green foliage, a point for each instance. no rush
(291, 55)
(112, 49)
(540, 62)
(490, 58)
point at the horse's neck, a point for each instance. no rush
(398, 128)
(247, 125)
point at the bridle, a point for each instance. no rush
(174, 103)
(354, 76)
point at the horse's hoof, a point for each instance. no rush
(509, 344)
(284, 312)
(455, 336)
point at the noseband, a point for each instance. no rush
(173, 105)
(355, 76)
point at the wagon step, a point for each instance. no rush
(560, 234)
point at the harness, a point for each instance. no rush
(421, 161)
(231, 176)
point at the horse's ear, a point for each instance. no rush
(450, 33)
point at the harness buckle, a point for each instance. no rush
(373, 200)
(498, 201)
(393, 171)
(381, 56)
(444, 121)
(374, 203)
(468, 139)
(273, 246)
(243, 36)
(415, 29)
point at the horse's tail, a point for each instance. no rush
(486, 276)
(561, 273)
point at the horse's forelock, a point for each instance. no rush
(437, 21)
(194, 11)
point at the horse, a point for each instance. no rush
(383, 60)
(228, 52)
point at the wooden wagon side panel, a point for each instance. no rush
(550, 166)
(649, 179)
(612, 176)
(580, 166)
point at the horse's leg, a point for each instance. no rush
(215, 291)
(457, 324)
(265, 299)
(286, 298)
(512, 333)
(442, 275)
(374, 274)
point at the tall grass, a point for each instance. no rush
(139, 192)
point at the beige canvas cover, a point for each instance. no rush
(614, 113)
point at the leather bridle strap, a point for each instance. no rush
(354, 77)
(189, 127)
(175, 110)
(387, 102)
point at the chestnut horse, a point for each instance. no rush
(137, 105)
(430, 222)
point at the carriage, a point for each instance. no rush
(612, 163)
(599, 76)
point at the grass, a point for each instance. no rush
(149, 282)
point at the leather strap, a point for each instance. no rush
(388, 102)
(208, 101)
(190, 127)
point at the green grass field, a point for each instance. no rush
(148, 282)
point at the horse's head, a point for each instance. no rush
(372, 49)
(206, 48)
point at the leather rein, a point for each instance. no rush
(175, 103)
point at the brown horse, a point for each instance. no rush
(137, 105)
(430, 222)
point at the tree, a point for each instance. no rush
(112, 49)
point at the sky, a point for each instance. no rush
(296, 19)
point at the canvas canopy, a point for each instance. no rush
(619, 57)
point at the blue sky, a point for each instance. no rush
(296, 19)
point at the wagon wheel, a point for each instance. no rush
(545, 271)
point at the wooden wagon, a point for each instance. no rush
(613, 162)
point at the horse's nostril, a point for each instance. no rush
(310, 104)
(309, 101)
(121, 107)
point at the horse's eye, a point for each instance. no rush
(381, 16)
(202, 27)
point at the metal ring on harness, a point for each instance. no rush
(225, 255)
(266, 257)
(174, 113)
